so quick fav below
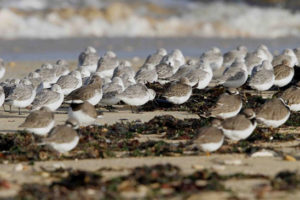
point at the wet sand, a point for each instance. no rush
(69, 48)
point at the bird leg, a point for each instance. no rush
(131, 109)
(272, 130)
(137, 110)
(4, 108)
(19, 111)
(10, 108)
(245, 96)
(207, 153)
(59, 155)
(110, 108)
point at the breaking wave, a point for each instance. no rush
(40, 19)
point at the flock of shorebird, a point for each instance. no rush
(107, 81)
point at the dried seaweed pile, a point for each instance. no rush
(159, 181)
(95, 142)
(173, 127)
(122, 140)
(199, 102)
(147, 182)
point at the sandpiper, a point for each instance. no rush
(175, 59)
(2, 96)
(107, 64)
(146, 74)
(88, 59)
(164, 72)
(61, 68)
(22, 95)
(111, 90)
(178, 92)
(239, 127)
(203, 73)
(254, 59)
(39, 122)
(291, 97)
(228, 105)
(287, 54)
(213, 57)
(183, 70)
(52, 99)
(126, 73)
(136, 95)
(230, 57)
(273, 113)
(297, 54)
(85, 76)
(125, 67)
(91, 92)
(35, 79)
(284, 73)
(63, 138)
(209, 139)
(263, 77)
(85, 113)
(267, 54)
(70, 82)
(9, 85)
(47, 74)
(236, 75)
(156, 58)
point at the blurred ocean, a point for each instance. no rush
(54, 19)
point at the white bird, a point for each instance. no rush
(230, 57)
(175, 59)
(156, 58)
(137, 95)
(52, 99)
(63, 138)
(236, 75)
(70, 82)
(146, 74)
(107, 64)
(22, 95)
(39, 122)
(263, 77)
(111, 90)
(88, 59)
(213, 57)
(287, 54)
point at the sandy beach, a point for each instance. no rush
(19, 173)
(151, 153)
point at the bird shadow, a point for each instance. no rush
(8, 131)
(12, 116)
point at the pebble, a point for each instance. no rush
(19, 167)
(264, 153)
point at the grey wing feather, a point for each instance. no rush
(20, 93)
(44, 97)
(134, 91)
(90, 59)
(68, 81)
(261, 76)
(112, 88)
(107, 63)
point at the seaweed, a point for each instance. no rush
(122, 139)
(199, 102)
(286, 180)
(159, 181)
(146, 182)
